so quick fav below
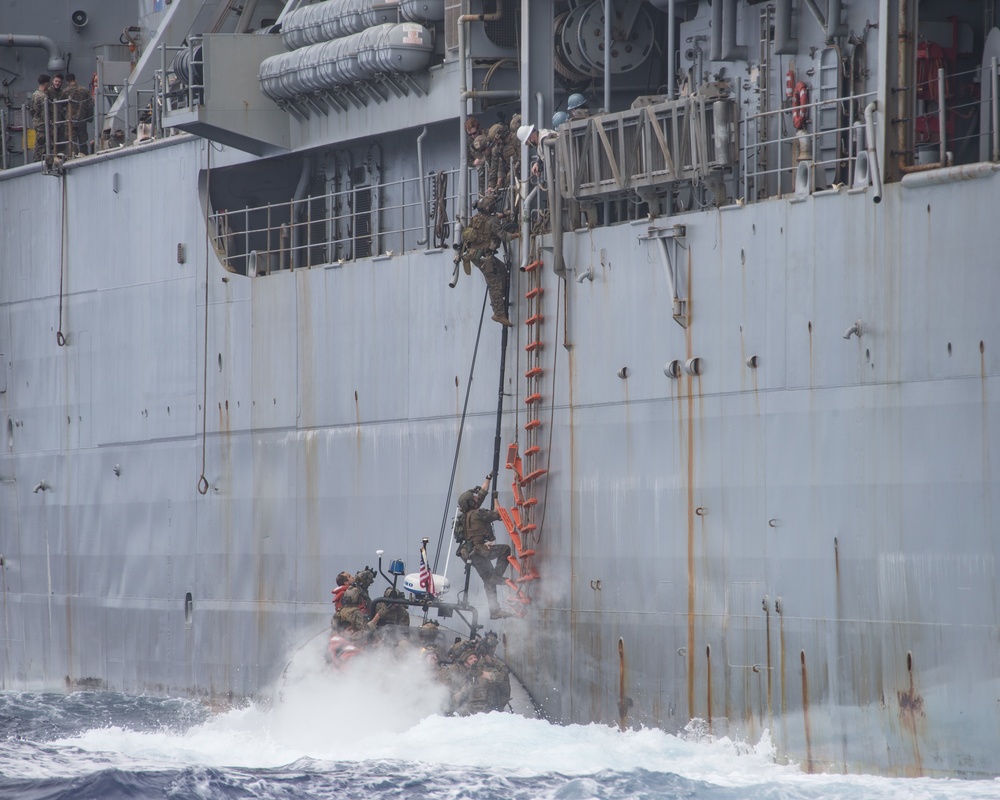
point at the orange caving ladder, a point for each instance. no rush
(522, 519)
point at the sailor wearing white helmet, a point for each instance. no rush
(537, 138)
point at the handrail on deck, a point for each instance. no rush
(376, 220)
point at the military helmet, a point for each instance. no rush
(467, 501)
(559, 118)
(497, 131)
(575, 100)
(459, 650)
(479, 143)
(515, 122)
(486, 202)
(429, 629)
(488, 644)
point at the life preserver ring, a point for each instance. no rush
(800, 106)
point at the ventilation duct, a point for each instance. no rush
(57, 61)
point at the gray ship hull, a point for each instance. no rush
(778, 516)
(803, 547)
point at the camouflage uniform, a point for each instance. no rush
(62, 131)
(479, 157)
(506, 150)
(496, 673)
(454, 677)
(39, 101)
(479, 692)
(393, 614)
(495, 138)
(480, 548)
(81, 109)
(354, 610)
(480, 240)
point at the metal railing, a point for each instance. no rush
(15, 122)
(646, 149)
(773, 149)
(954, 118)
(365, 221)
(187, 89)
(64, 134)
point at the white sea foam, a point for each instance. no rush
(355, 721)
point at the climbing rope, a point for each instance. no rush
(202, 480)
(461, 429)
(441, 227)
(64, 232)
(503, 368)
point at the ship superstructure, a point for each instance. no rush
(744, 419)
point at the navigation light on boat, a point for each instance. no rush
(396, 567)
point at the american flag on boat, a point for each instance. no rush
(426, 578)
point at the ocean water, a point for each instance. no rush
(372, 732)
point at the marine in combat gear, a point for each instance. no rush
(39, 105)
(353, 603)
(481, 238)
(478, 680)
(81, 109)
(480, 548)
(393, 613)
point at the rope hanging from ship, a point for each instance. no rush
(461, 429)
(442, 230)
(202, 480)
(497, 444)
(64, 232)
(503, 368)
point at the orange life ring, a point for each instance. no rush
(800, 106)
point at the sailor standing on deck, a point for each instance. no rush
(39, 101)
(480, 548)
(61, 130)
(80, 109)
(539, 138)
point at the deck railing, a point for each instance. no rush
(647, 149)
(778, 158)
(952, 118)
(369, 220)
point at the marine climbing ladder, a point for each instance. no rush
(523, 519)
